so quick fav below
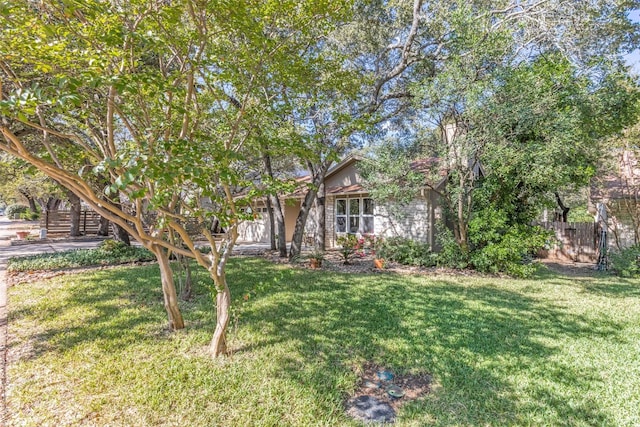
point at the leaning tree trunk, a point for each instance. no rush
(32, 202)
(168, 289)
(218, 344)
(120, 234)
(318, 174)
(76, 211)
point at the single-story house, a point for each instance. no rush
(349, 209)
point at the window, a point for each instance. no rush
(367, 216)
(354, 215)
(341, 216)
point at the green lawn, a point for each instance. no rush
(92, 349)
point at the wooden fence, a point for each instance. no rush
(575, 241)
(59, 222)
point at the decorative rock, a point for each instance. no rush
(368, 408)
(371, 384)
(395, 391)
(385, 375)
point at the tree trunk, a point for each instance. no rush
(53, 203)
(32, 202)
(272, 226)
(281, 232)
(168, 289)
(305, 207)
(565, 210)
(76, 211)
(187, 289)
(103, 228)
(218, 344)
(320, 244)
(275, 212)
(119, 233)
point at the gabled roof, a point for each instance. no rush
(424, 166)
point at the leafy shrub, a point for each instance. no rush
(349, 246)
(30, 215)
(510, 254)
(502, 247)
(450, 255)
(80, 258)
(407, 252)
(625, 263)
(110, 245)
(14, 211)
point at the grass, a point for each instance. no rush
(92, 349)
(79, 258)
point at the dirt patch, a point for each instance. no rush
(570, 268)
(381, 393)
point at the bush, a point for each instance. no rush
(349, 246)
(407, 252)
(14, 211)
(113, 246)
(30, 215)
(625, 263)
(511, 254)
(450, 254)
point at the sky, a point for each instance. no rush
(633, 59)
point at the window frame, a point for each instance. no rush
(360, 216)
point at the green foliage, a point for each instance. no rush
(113, 246)
(317, 255)
(450, 255)
(348, 247)
(500, 246)
(626, 262)
(580, 214)
(29, 215)
(107, 254)
(388, 176)
(407, 252)
(15, 210)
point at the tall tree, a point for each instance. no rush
(161, 97)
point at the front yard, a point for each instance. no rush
(92, 349)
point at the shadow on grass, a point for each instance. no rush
(315, 326)
(114, 307)
(474, 339)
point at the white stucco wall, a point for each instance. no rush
(256, 231)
